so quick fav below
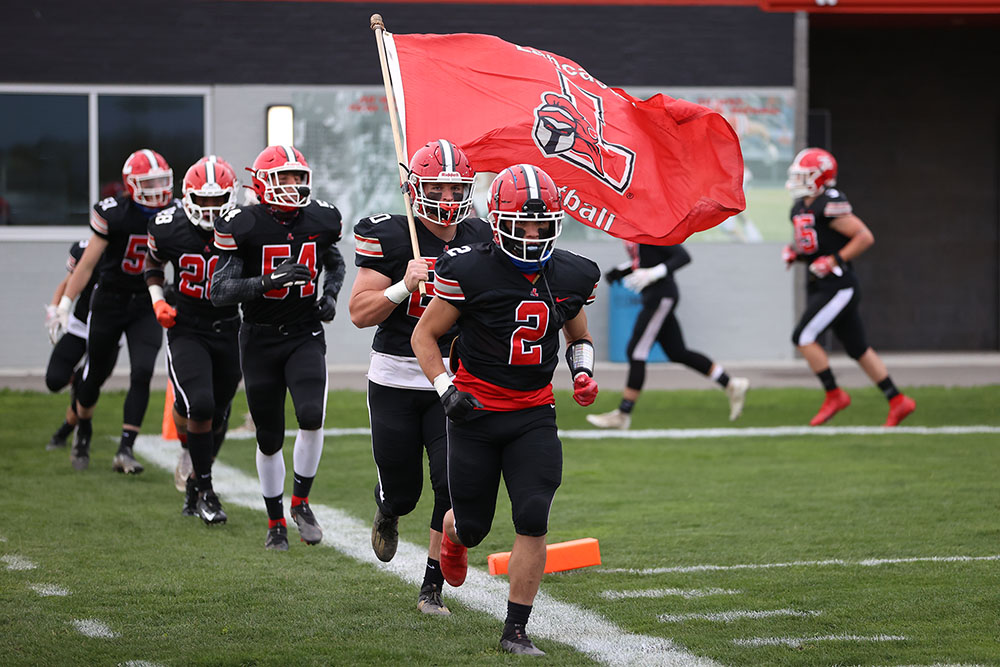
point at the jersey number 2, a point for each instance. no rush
(525, 350)
(196, 275)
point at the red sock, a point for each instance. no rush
(183, 437)
(296, 500)
(271, 523)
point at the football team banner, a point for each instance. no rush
(650, 171)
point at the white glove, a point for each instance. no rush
(639, 279)
(52, 323)
(62, 318)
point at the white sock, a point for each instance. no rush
(271, 471)
(308, 449)
(716, 372)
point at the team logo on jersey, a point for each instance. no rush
(534, 291)
(569, 125)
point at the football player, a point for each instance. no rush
(270, 258)
(202, 347)
(120, 303)
(650, 273)
(828, 236)
(509, 298)
(406, 415)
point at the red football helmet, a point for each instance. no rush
(440, 162)
(266, 175)
(518, 195)
(812, 171)
(148, 178)
(209, 191)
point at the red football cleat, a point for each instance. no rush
(900, 406)
(836, 400)
(454, 561)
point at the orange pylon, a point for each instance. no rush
(558, 557)
(169, 428)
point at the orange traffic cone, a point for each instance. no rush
(169, 428)
(558, 557)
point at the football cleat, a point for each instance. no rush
(516, 641)
(79, 456)
(55, 442)
(835, 401)
(454, 561)
(385, 536)
(277, 538)
(614, 419)
(210, 509)
(430, 602)
(190, 498)
(182, 470)
(309, 530)
(124, 462)
(736, 392)
(900, 407)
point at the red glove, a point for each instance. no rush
(165, 314)
(584, 389)
(824, 266)
(788, 255)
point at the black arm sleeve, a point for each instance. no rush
(333, 271)
(228, 287)
(676, 258)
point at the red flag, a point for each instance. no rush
(650, 171)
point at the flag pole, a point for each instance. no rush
(379, 27)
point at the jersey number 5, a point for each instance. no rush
(805, 233)
(525, 350)
(134, 255)
(273, 255)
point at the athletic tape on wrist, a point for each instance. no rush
(156, 293)
(580, 357)
(397, 292)
(441, 383)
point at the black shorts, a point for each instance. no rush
(204, 367)
(835, 308)
(524, 447)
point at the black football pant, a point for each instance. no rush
(524, 447)
(657, 323)
(404, 423)
(66, 354)
(834, 308)
(111, 314)
(204, 367)
(274, 363)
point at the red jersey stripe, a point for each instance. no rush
(502, 399)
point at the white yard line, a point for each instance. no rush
(730, 616)
(868, 562)
(695, 433)
(686, 593)
(49, 590)
(91, 627)
(796, 642)
(584, 630)
(17, 562)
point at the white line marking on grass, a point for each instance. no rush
(694, 433)
(868, 562)
(730, 616)
(48, 590)
(796, 642)
(17, 562)
(686, 593)
(584, 630)
(2, 538)
(91, 627)
(139, 663)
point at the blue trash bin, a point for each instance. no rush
(622, 311)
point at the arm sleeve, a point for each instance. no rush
(228, 287)
(333, 270)
(677, 257)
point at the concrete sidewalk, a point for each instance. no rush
(962, 369)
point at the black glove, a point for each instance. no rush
(326, 307)
(616, 274)
(458, 405)
(287, 274)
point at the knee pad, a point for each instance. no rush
(855, 350)
(309, 416)
(55, 382)
(533, 517)
(269, 442)
(796, 335)
(141, 377)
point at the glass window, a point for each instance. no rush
(171, 125)
(43, 159)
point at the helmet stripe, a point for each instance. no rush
(447, 155)
(290, 154)
(151, 157)
(210, 172)
(531, 180)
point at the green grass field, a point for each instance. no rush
(813, 507)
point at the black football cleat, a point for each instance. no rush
(309, 529)
(56, 442)
(277, 538)
(190, 498)
(79, 456)
(516, 641)
(385, 536)
(430, 602)
(210, 509)
(124, 462)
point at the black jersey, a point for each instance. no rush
(645, 256)
(262, 243)
(813, 235)
(121, 222)
(83, 302)
(382, 243)
(510, 325)
(173, 239)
